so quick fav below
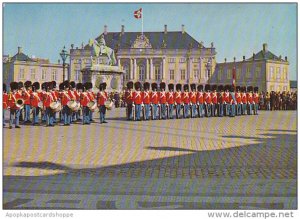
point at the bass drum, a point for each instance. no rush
(73, 105)
(92, 105)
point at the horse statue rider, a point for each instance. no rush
(101, 49)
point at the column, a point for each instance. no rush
(164, 69)
(147, 76)
(134, 69)
(151, 69)
(131, 69)
(119, 62)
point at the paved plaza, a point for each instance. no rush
(246, 162)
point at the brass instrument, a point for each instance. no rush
(19, 103)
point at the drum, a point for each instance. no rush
(92, 105)
(108, 104)
(41, 105)
(73, 105)
(56, 106)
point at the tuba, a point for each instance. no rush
(19, 103)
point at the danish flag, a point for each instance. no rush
(138, 14)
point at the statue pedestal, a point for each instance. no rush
(99, 73)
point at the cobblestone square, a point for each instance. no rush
(137, 165)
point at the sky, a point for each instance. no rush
(236, 30)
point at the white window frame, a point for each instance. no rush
(157, 72)
(53, 75)
(172, 74)
(21, 73)
(182, 73)
(44, 74)
(196, 73)
(141, 70)
(32, 73)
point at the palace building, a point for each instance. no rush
(166, 56)
(21, 67)
(264, 70)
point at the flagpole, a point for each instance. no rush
(142, 21)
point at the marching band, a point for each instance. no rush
(213, 101)
(69, 101)
(73, 100)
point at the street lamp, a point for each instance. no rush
(64, 55)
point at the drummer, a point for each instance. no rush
(102, 97)
(65, 98)
(35, 100)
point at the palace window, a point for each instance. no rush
(77, 75)
(172, 74)
(220, 75)
(126, 69)
(196, 73)
(278, 73)
(284, 73)
(229, 74)
(21, 73)
(182, 74)
(44, 74)
(157, 72)
(257, 72)
(54, 75)
(238, 73)
(271, 76)
(196, 60)
(32, 74)
(248, 72)
(141, 70)
(172, 60)
(207, 73)
(182, 60)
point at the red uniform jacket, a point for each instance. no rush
(101, 98)
(238, 97)
(250, 98)
(65, 98)
(91, 95)
(5, 100)
(214, 97)
(193, 97)
(244, 98)
(231, 99)
(129, 97)
(137, 97)
(200, 97)
(12, 97)
(154, 97)
(170, 97)
(146, 97)
(178, 99)
(35, 99)
(255, 98)
(84, 99)
(162, 97)
(26, 96)
(77, 95)
(48, 99)
(226, 98)
(185, 98)
(207, 97)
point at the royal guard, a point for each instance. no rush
(84, 100)
(226, 100)
(5, 103)
(193, 100)
(186, 101)
(146, 101)
(162, 100)
(129, 100)
(92, 96)
(42, 94)
(178, 100)
(238, 97)
(244, 101)
(56, 96)
(137, 100)
(15, 103)
(26, 96)
(20, 91)
(200, 100)
(102, 96)
(66, 96)
(250, 99)
(47, 100)
(214, 100)
(255, 100)
(61, 88)
(221, 101)
(76, 114)
(170, 101)
(35, 100)
(72, 90)
(207, 101)
(154, 98)
(232, 102)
